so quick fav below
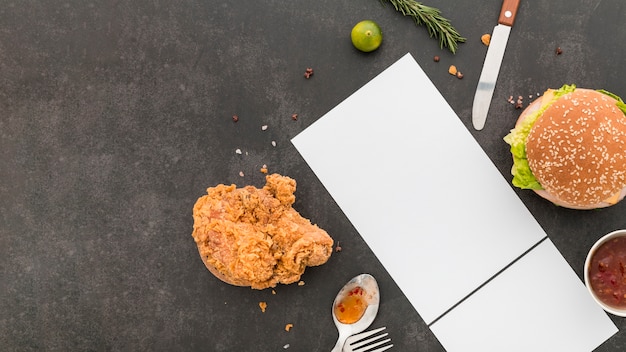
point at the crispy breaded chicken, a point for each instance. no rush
(253, 237)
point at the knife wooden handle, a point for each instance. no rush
(508, 12)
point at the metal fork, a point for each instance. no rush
(364, 343)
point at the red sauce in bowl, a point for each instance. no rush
(607, 272)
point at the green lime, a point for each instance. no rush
(366, 36)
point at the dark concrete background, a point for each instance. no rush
(115, 116)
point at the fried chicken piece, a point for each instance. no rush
(253, 237)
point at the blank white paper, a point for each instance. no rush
(537, 304)
(418, 188)
(422, 193)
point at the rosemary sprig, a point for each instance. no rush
(437, 25)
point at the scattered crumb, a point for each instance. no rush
(286, 346)
(455, 72)
(264, 127)
(308, 73)
(238, 151)
(294, 117)
(288, 327)
(486, 39)
(559, 51)
(301, 283)
(273, 292)
(519, 103)
(241, 173)
(436, 58)
(235, 118)
(273, 143)
(264, 169)
(263, 306)
(338, 247)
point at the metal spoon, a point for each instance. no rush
(370, 294)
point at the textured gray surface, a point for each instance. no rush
(116, 116)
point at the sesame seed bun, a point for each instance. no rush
(576, 150)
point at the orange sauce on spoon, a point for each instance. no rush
(352, 306)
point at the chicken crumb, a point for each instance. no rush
(288, 327)
(263, 306)
(452, 70)
(486, 39)
(301, 283)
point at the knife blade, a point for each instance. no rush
(493, 61)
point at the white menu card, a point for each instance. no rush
(537, 304)
(441, 218)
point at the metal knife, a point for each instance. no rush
(491, 67)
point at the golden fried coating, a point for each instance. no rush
(253, 237)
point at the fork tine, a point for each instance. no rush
(366, 334)
(366, 341)
(355, 347)
(381, 349)
(371, 339)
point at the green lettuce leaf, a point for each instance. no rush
(620, 103)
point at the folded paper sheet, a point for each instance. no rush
(428, 201)
(537, 304)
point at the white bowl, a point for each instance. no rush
(610, 309)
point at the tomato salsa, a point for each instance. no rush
(607, 272)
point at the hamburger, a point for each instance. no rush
(569, 146)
